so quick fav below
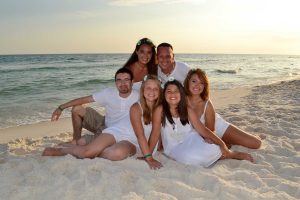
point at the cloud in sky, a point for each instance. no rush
(139, 2)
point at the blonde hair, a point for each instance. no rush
(147, 112)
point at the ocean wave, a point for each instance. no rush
(12, 91)
(92, 82)
(51, 68)
(228, 71)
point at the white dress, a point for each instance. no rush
(185, 145)
(220, 124)
(124, 131)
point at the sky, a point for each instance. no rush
(115, 26)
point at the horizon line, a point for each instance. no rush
(28, 54)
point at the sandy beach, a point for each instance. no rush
(271, 110)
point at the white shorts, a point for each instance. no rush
(121, 133)
(220, 126)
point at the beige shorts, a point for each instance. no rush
(93, 122)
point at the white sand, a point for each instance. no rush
(271, 110)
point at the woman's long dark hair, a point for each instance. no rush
(152, 65)
(181, 108)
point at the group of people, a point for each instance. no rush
(158, 103)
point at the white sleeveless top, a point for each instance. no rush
(148, 127)
(220, 124)
(202, 118)
(175, 134)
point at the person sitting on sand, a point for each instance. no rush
(116, 101)
(141, 116)
(182, 133)
(142, 61)
(196, 85)
(167, 66)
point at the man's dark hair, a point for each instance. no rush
(124, 70)
(164, 44)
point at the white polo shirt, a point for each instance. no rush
(116, 107)
(179, 72)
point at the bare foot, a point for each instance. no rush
(50, 151)
(241, 156)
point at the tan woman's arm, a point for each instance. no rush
(210, 116)
(136, 122)
(156, 127)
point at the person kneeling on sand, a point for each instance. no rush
(113, 143)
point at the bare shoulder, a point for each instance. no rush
(135, 108)
(158, 108)
(210, 105)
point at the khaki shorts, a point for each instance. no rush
(93, 122)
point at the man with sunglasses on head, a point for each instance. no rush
(116, 101)
(167, 66)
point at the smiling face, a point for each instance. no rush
(165, 58)
(172, 95)
(123, 83)
(196, 85)
(144, 54)
(151, 90)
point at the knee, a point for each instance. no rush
(116, 154)
(79, 110)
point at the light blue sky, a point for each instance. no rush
(103, 26)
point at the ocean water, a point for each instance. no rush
(32, 86)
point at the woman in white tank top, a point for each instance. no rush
(196, 85)
(141, 116)
(182, 133)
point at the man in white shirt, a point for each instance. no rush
(116, 101)
(167, 66)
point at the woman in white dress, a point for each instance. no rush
(183, 134)
(196, 85)
(141, 116)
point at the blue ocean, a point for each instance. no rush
(32, 86)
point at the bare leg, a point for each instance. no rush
(77, 117)
(236, 136)
(78, 113)
(119, 151)
(91, 150)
